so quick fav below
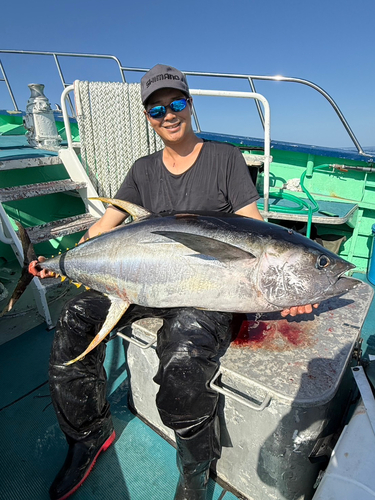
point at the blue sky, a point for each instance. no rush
(329, 42)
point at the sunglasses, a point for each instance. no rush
(176, 106)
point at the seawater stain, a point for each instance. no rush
(277, 335)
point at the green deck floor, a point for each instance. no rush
(140, 465)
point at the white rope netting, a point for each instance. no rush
(114, 131)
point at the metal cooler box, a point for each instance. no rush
(283, 397)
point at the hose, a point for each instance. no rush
(302, 207)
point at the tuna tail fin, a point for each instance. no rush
(117, 309)
(26, 277)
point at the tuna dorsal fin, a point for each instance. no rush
(115, 313)
(208, 246)
(134, 210)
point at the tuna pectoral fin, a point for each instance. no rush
(208, 246)
(115, 313)
(26, 277)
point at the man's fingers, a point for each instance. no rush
(308, 308)
(36, 271)
(33, 268)
(293, 311)
(45, 273)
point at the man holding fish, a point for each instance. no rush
(189, 174)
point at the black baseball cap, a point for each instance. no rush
(162, 77)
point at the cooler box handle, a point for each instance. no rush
(137, 342)
(239, 399)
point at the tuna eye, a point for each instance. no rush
(322, 261)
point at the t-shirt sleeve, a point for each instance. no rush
(241, 189)
(128, 190)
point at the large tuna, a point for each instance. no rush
(221, 262)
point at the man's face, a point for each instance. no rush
(174, 126)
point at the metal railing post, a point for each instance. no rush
(260, 111)
(5, 79)
(64, 83)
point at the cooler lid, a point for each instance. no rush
(300, 359)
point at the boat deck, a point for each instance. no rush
(140, 465)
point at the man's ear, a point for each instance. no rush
(191, 105)
(146, 115)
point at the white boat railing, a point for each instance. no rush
(123, 69)
(266, 125)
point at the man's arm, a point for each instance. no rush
(110, 220)
(251, 211)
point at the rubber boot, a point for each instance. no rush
(194, 456)
(78, 464)
(193, 485)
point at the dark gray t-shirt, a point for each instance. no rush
(219, 180)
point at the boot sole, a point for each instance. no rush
(105, 447)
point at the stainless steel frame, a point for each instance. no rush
(249, 78)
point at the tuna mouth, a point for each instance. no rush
(344, 284)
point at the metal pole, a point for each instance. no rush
(64, 83)
(62, 54)
(195, 116)
(260, 111)
(65, 115)
(8, 86)
(278, 78)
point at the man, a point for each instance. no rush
(188, 174)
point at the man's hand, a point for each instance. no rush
(293, 311)
(35, 270)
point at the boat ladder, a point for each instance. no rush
(113, 134)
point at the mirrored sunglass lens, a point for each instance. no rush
(178, 105)
(157, 112)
